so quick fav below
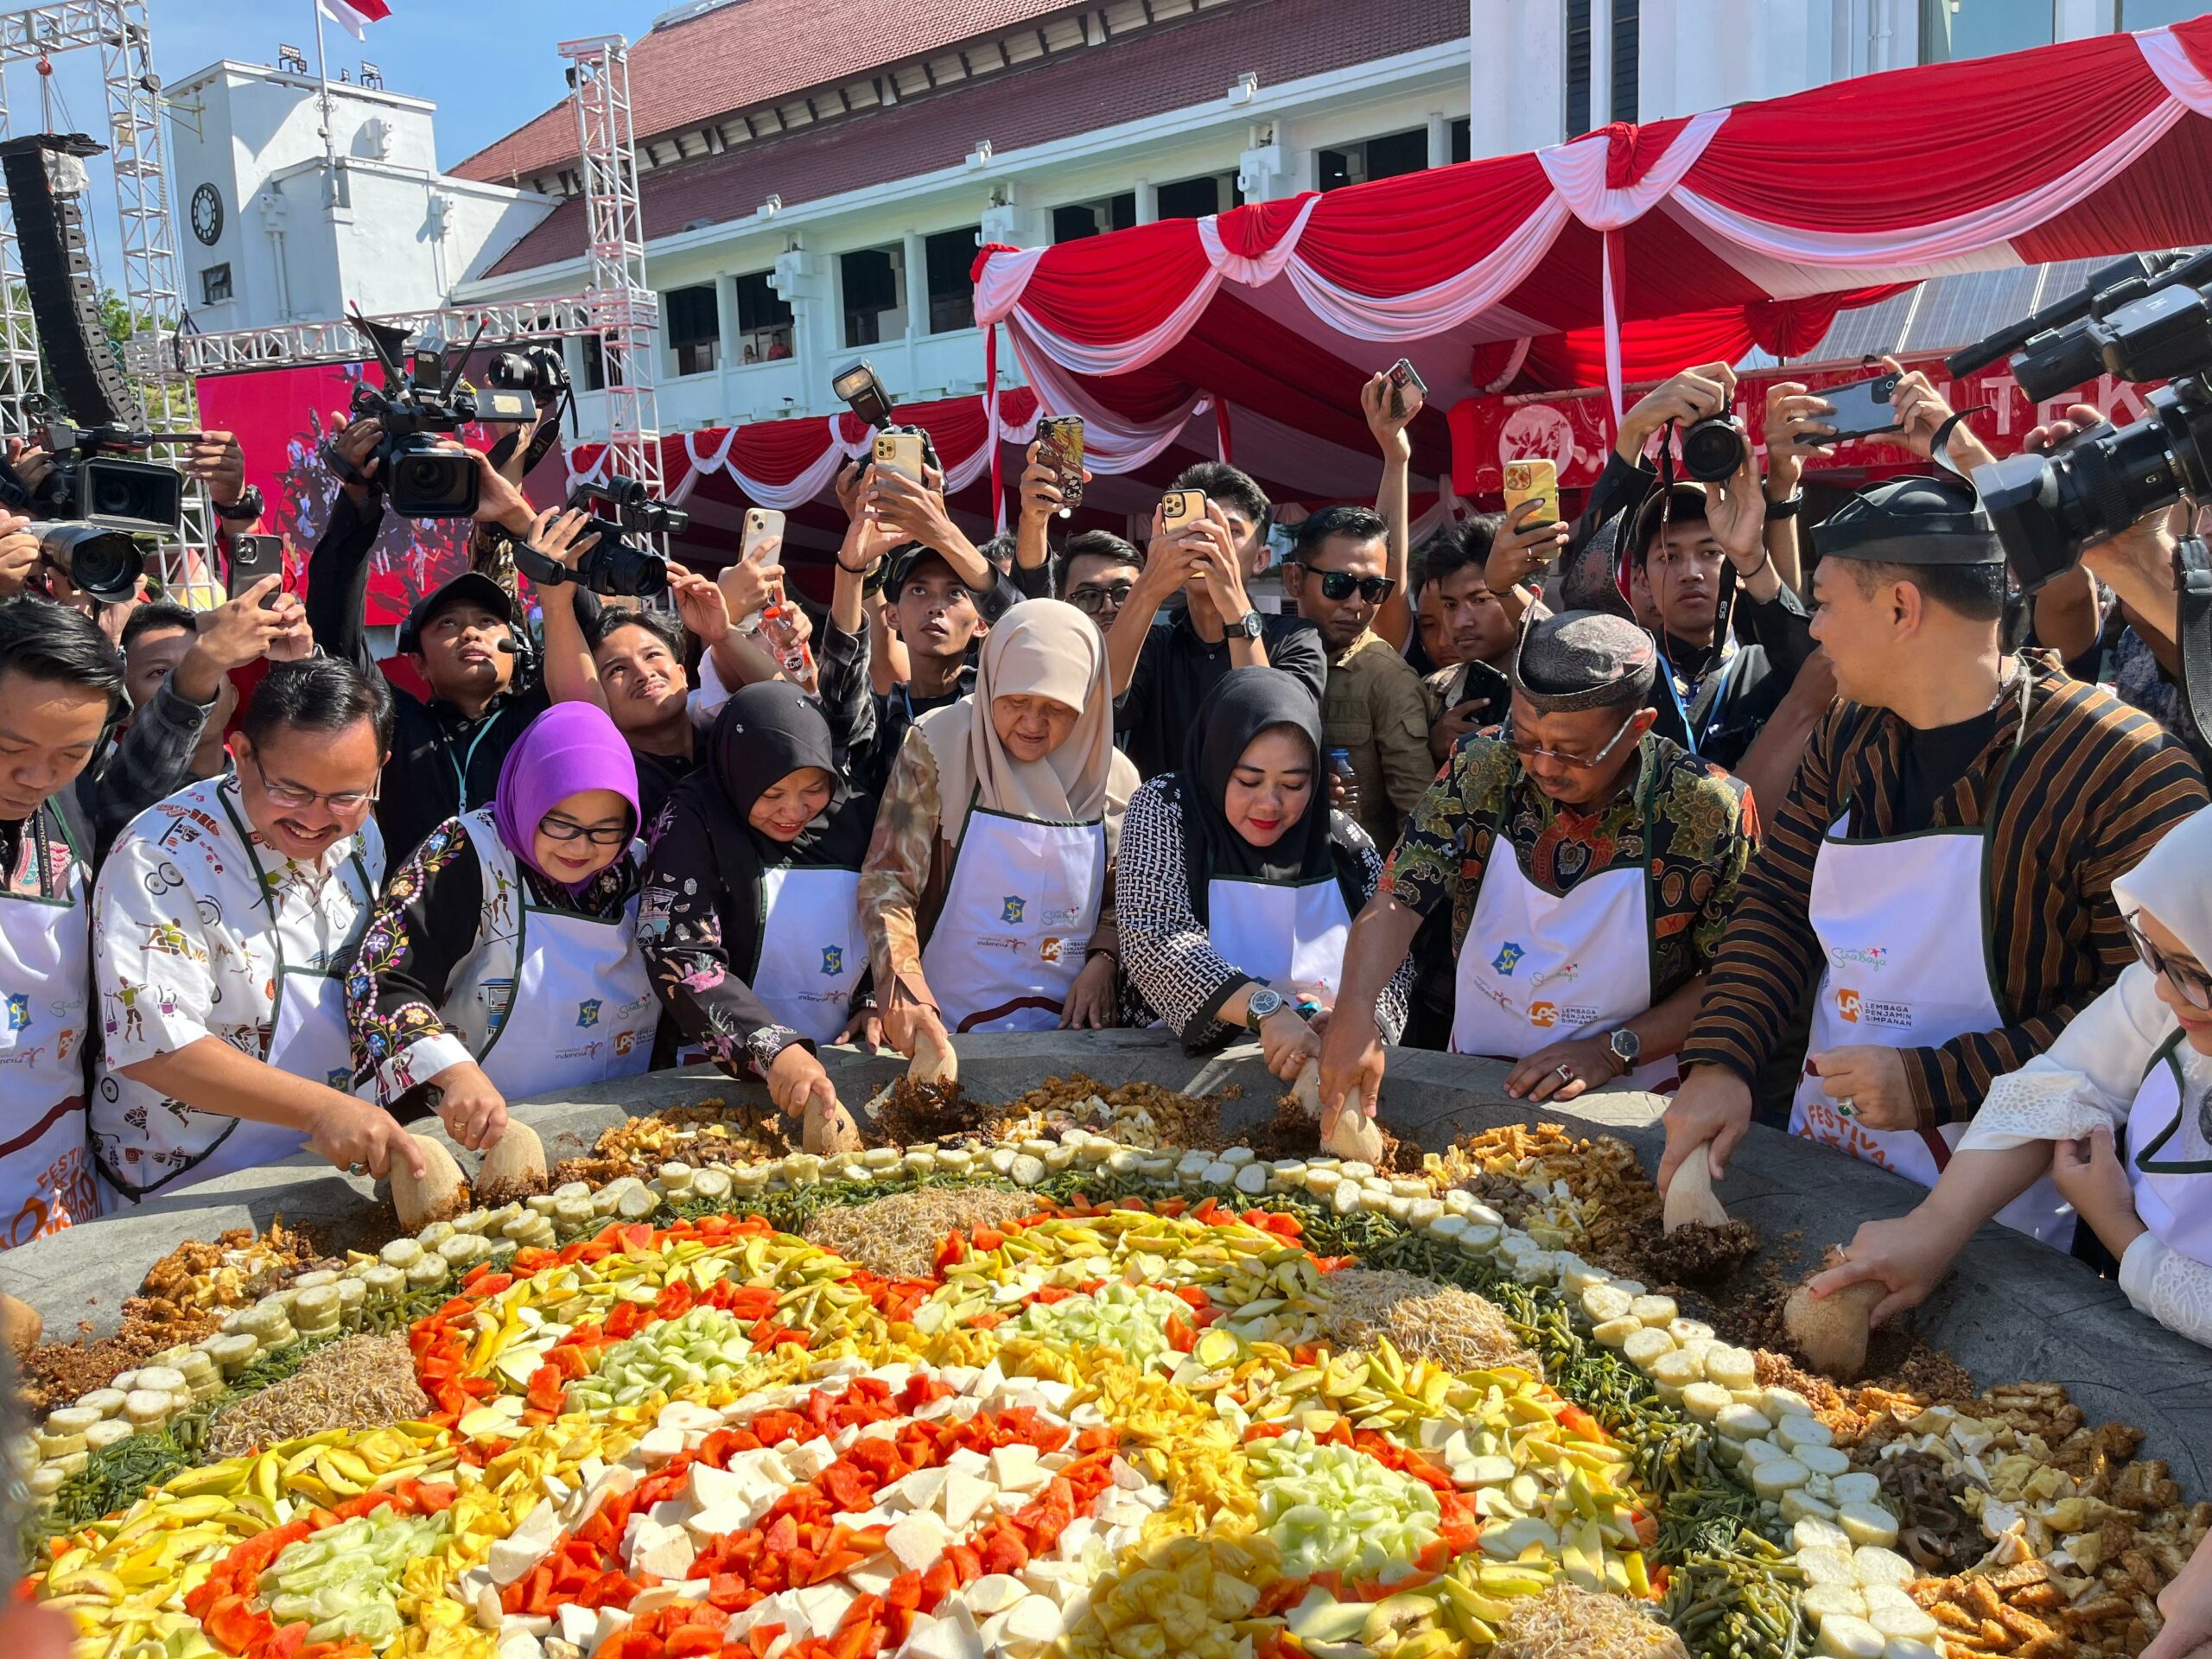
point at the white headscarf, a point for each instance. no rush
(2174, 883)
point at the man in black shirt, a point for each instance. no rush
(936, 617)
(461, 637)
(1161, 675)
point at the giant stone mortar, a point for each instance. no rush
(2012, 1311)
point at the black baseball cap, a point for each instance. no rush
(470, 588)
(901, 563)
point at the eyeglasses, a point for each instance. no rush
(2194, 983)
(599, 835)
(1339, 585)
(1094, 601)
(291, 796)
(1530, 752)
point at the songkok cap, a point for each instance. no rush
(1918, 520)
(1584, 659)
(1590, 576)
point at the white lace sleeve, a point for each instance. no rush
(2174, 1289)
(2087, 1077)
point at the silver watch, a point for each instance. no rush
(1249, 625)
(1625, 1046)
(1259, 1007)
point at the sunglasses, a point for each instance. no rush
(2194, 983)
(1339, 585)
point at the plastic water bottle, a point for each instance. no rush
(1340, 768)
(798, 661)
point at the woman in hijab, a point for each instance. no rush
(502, 960)
(2135, 1072)
(750, 920)
(1238, 883)
(988, 890)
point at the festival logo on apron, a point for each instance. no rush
(46, 1177)
(1020, 888)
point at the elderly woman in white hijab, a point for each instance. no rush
(2133, 1070)
(987, 893)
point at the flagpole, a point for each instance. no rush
(329, 145)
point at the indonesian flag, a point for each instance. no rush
(357, 15)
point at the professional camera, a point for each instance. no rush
(1713, 449)
(106, 563)
(422, 402)
(614, 567)
(537, 370)
(90, 480)
(2144, 318)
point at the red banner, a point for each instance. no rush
(1576, 431)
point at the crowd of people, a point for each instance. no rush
(1821, 826)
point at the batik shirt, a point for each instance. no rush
(183, 948)
(1695, 839)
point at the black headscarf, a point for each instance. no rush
(763, 735)
(1244, 703)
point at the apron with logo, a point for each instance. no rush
(308, 1037)
(1900, 922)
(812, 948)
(1288, 935)
(548, 998)
(46, 956)
(1538, 968)
(2176, 1153)
(1018, 913)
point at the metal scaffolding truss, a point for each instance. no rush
(624, 312)
(292, 343)
(120, 29)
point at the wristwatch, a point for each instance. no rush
(1625, 1046)
(1259, 1007)
(1785, 509)
(245, 509)
(1249, 625)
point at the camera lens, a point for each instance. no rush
(112, 496)
(1713, 448)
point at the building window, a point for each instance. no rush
(1377, 158)
(2156, 14)
(951, 256)
(1216, 192)
(694, 327)
(1951, 30)
(593, 374)
(1627, 32)
(764, 320)
(1578, 67)
(1463, 140)
(1081, 219)
(215, 284)
(870, 278)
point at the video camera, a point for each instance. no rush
(614, 567)
(422, 402)
(93, 506)
(2143, 318)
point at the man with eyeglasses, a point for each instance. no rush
(223, 924)
(1096, 572)
(1588, 864)
(1371, 704)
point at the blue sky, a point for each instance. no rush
(489, 65)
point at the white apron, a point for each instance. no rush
(1537, 968)
(308, 1037)
(1900, 924)
(812, 948)
(45, 975)
(1288, 935)
(1018, 913)
(2167, 1156)
(560, 1001)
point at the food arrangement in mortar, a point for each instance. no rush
(1074, 1389)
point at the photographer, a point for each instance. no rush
(461, 639)
(1947, 847)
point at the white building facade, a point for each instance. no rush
(271, 232)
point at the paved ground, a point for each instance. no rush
(2013, 1310)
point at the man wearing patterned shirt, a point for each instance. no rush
(1588, 865)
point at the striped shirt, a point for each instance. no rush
(2095, 785)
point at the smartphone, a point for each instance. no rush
(1403, 375)
(1059, 446)
(1860, 410)
(1180, 509)
(761, 525)
(899, 453)
(253, 557)
(1533, 480)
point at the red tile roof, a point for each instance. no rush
(1169, 67)
(754, 52)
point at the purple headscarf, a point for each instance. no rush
(571, 747)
